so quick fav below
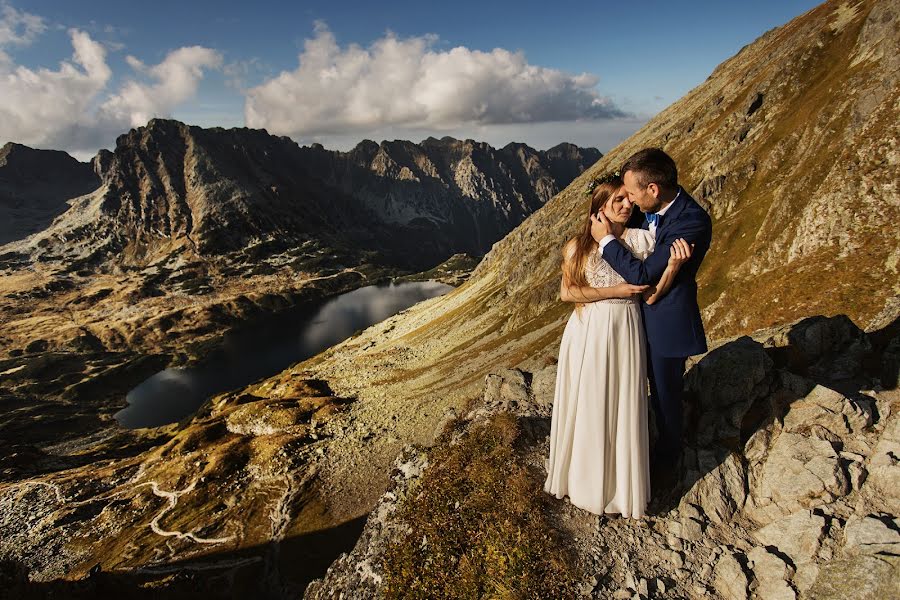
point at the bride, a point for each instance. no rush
(599, 440)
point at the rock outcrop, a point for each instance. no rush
(776, 497)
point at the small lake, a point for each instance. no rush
(263, 351)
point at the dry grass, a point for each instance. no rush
(479, 526)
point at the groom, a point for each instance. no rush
(673, 325)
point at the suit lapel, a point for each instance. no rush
(673, 212)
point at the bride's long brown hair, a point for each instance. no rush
(578, 248)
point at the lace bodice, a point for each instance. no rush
(600, 273)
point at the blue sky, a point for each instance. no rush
(588, 72)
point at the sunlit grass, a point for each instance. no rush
(479, 525)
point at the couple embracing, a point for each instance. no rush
(636, 320)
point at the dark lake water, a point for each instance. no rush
(248, 356)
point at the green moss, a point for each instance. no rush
(482, 514)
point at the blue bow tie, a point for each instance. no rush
(653, 219)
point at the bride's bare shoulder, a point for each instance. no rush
(568, 250)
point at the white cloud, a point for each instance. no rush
(177, 78)
(38, 105)
(71, 108)
(406, 83)
(19, 28)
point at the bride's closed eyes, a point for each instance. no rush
(618, 208)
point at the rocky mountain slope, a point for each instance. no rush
(433, 358)
(789, 488)
(34, 188)
(469, 191)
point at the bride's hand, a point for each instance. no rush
(679, 253)
(627, 290)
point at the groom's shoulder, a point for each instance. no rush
(695, 209)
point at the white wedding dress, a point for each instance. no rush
(599, 439)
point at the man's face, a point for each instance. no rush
(645, 197)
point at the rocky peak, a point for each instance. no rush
(20, 164)
(35, 186)
(171, 187)
(472, 190)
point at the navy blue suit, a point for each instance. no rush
(673, 325)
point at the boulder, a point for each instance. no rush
(726, 383)
(882, 482)
(772, 575)
(798, 535)
(798, 472)
(864, 577)
(507, 389)
(258, 419)
(715, 483)
(830, 409)
(729, 579)
(832, 348)
(872, 535)
(543, 386)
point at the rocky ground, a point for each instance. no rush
(788, 486)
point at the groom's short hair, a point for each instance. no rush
(652, 165)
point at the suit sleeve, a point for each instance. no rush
(649, 271)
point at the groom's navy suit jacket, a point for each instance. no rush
(673, 324)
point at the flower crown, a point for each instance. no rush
(609, 177)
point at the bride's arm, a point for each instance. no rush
(569, 292)
(585, 293)
(679, 253)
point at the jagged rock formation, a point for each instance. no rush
(35, 186)
(467, 190)
(186, 215)
(789, 487)
(169, 187)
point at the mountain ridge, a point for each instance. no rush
(214, 190)
(35, 186)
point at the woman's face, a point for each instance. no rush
(618, 208)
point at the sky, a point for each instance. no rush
(75, 75)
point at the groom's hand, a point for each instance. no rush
(599, 227)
